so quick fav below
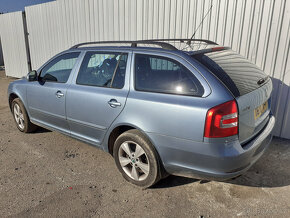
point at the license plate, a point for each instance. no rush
(260, 110)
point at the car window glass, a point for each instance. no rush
(59, 69)
(237, 73)
(103, 70)
(164, 75)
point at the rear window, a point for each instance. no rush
(103, 70)
(238, 74)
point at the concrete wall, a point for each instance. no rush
(258, 29)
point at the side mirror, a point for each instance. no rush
(32, 76)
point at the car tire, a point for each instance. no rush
(140, 164)
(21, 117)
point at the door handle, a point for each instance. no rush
(114, 103)
(59, 94)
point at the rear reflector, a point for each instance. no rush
(222, 120)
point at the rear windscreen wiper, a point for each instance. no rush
(261, 81)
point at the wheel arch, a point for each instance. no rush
(118, 130)
(12, 96)
(20, 93)
(115, 133)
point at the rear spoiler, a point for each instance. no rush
(208, 50)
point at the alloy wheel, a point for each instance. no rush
(134, 160)
(18, 115)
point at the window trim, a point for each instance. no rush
(166, 93)
(51, 60)
(102, 52)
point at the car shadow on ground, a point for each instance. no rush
(41, 130)
(173, 181)
(272, 170)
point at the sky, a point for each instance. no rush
(18, 5)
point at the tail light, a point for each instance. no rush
(222, 120)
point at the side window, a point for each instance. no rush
(164, 75)
(103, 70)
(59, 69)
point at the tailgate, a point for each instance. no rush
(250, 86)
(254, 109)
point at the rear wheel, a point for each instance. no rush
(137, 159)
(21, 118)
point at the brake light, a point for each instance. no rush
(217, 48)
(222, 120)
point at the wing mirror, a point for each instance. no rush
(32, 76)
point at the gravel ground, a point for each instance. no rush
(52, 175)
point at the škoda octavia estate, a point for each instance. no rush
(201, 113)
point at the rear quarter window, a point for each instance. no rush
(238, 74)
(164, 75)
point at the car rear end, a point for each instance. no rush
(250, 87)
(236, 132)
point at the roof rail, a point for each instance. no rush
(188, 41)
(133, 43)
(160, 42)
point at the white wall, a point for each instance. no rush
(1, 55)
(257, 29)
(13, 44)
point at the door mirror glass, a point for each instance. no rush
(32, 76)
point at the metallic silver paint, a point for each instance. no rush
(174, 124)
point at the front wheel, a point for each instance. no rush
(137, 159)
(21, 118)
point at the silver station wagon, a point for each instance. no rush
(159, 110)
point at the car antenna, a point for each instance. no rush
(189, 41)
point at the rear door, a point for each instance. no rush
(250, 86)
(98, 94)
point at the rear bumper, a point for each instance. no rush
(211, 161)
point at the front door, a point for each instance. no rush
(46, 97)
(98, 94)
